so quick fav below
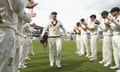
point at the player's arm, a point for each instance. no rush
(18, 7)
(44, 30)
(85, 27)
(116, 22)
(31, 5)
(75, 31)
(91, 28)
(63, 29)
(97, 22)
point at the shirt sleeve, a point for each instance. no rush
(61, 26)
(117, 21)
(25, 25)
(18, 6)
(44, 30)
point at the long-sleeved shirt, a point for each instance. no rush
(95, 26)
(78, 30)
(10, 10)
(115, 25)
(27, 29)
(82, 30)
(53, 28)
(107, 31)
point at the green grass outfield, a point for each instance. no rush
(70, 61)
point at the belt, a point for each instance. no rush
(53, 36)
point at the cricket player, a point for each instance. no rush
(77, 31)
(93, 27)
(25, 43)
(19, 37)
(9, 12)
(54, 37)
(84, 37)
(107, 41)
(115, 25)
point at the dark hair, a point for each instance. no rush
(54, 13)
(104, 13)
(82, 20)
(78, 23)
(93, 16)
(115, 9)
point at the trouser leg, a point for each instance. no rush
(109, 49)
(59, 51)
(78, 44)
(94, 48)
(104, 50)
(51, 50)
(85, 40)
(8, 56)
(17, 56)
(115, 51)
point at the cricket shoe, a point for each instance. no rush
(101, 62)
(118, 70)
(33, 53)
(90, 57)
(18, 70)
(51, 64)
(107, 65)
(93, 59)
(115, 67)
(22, 66)
(59, 66)
(27, 58)
(87, 56)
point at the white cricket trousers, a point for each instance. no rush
(31, 51)
(7, 50)
(78, 44)
(17, 56)
(84, 44)
(107, 49)
(116, 49)
(52, 42)
(23, 50)
(94, 46)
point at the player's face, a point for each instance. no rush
(104, 16)
(114, 14)
(92, 19)
(54, 17)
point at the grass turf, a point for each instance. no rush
(70, 61)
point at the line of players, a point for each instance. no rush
(16, 28)
(110, 26)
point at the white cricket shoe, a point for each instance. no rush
(101, 62)
(22, 66)
(118, 70)
(114, 67)
(90, 57)
(107, 65)
(87, 56)
(59, 66)
(18, 70)
(51, 64)
(33, 53)
(93, 59)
